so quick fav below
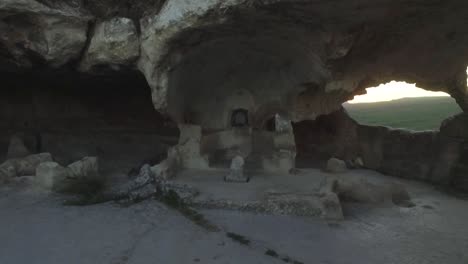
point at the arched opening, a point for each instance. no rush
(402, 105)
(400, 130)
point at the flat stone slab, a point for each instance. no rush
(311, 192)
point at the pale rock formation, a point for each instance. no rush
(114, 43)
(236, 172)
(279, 161)
(166, 169)
(28, 27)
(335, 165)
(53, 177)
(366, 190)
(299, 59)
(23, 166)
(188, 148)
(282, 125)
(87, 167)
(331, 206)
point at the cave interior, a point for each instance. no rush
(266, 83)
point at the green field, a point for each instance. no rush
(423, 113)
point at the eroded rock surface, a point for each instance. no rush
(236, 172)
(114, 43)
(34, 33)
(322, 51)
(51, 176)
(22, 166)
(335, 165)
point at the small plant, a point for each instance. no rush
(271, 253)
(173, 200)
(88, 191)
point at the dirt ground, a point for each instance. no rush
(37, 228)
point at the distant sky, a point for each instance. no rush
(393, 90)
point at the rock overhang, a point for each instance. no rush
(204, 60)
(339, 48)
(354, 44)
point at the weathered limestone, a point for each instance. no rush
(166, 169)
(362, 190)
(114, 43)
(294, 59)
(188, 148)
(331, 206)
(56, 36)
(335, 165)
(366, 190)
(86, 167)
(279, 161)
(236, 172)
(16, 148)
(53, 177)
(23, 166)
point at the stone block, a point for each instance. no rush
(335, 165)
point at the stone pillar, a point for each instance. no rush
(188, 147)
(283, 157)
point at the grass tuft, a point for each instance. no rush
(271, 253)
(238, 238)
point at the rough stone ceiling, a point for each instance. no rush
(347, 45)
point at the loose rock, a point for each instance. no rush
(51, 176)
(22, 167)
(236, 173)
(115, 42)
(335, 165)
(76, 177)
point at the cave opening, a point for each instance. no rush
(72, 115)
(415, 138)
(402, 105)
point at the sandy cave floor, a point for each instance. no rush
(38, 228)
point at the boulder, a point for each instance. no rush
(7, 171)
(75, 178)
(27, 166)
(16, 148)
(55, 36)
(331, 206)
(87, 167)
(51, 176)
(115, 42)
(335, 165)
(22, 167)
(367, 191)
